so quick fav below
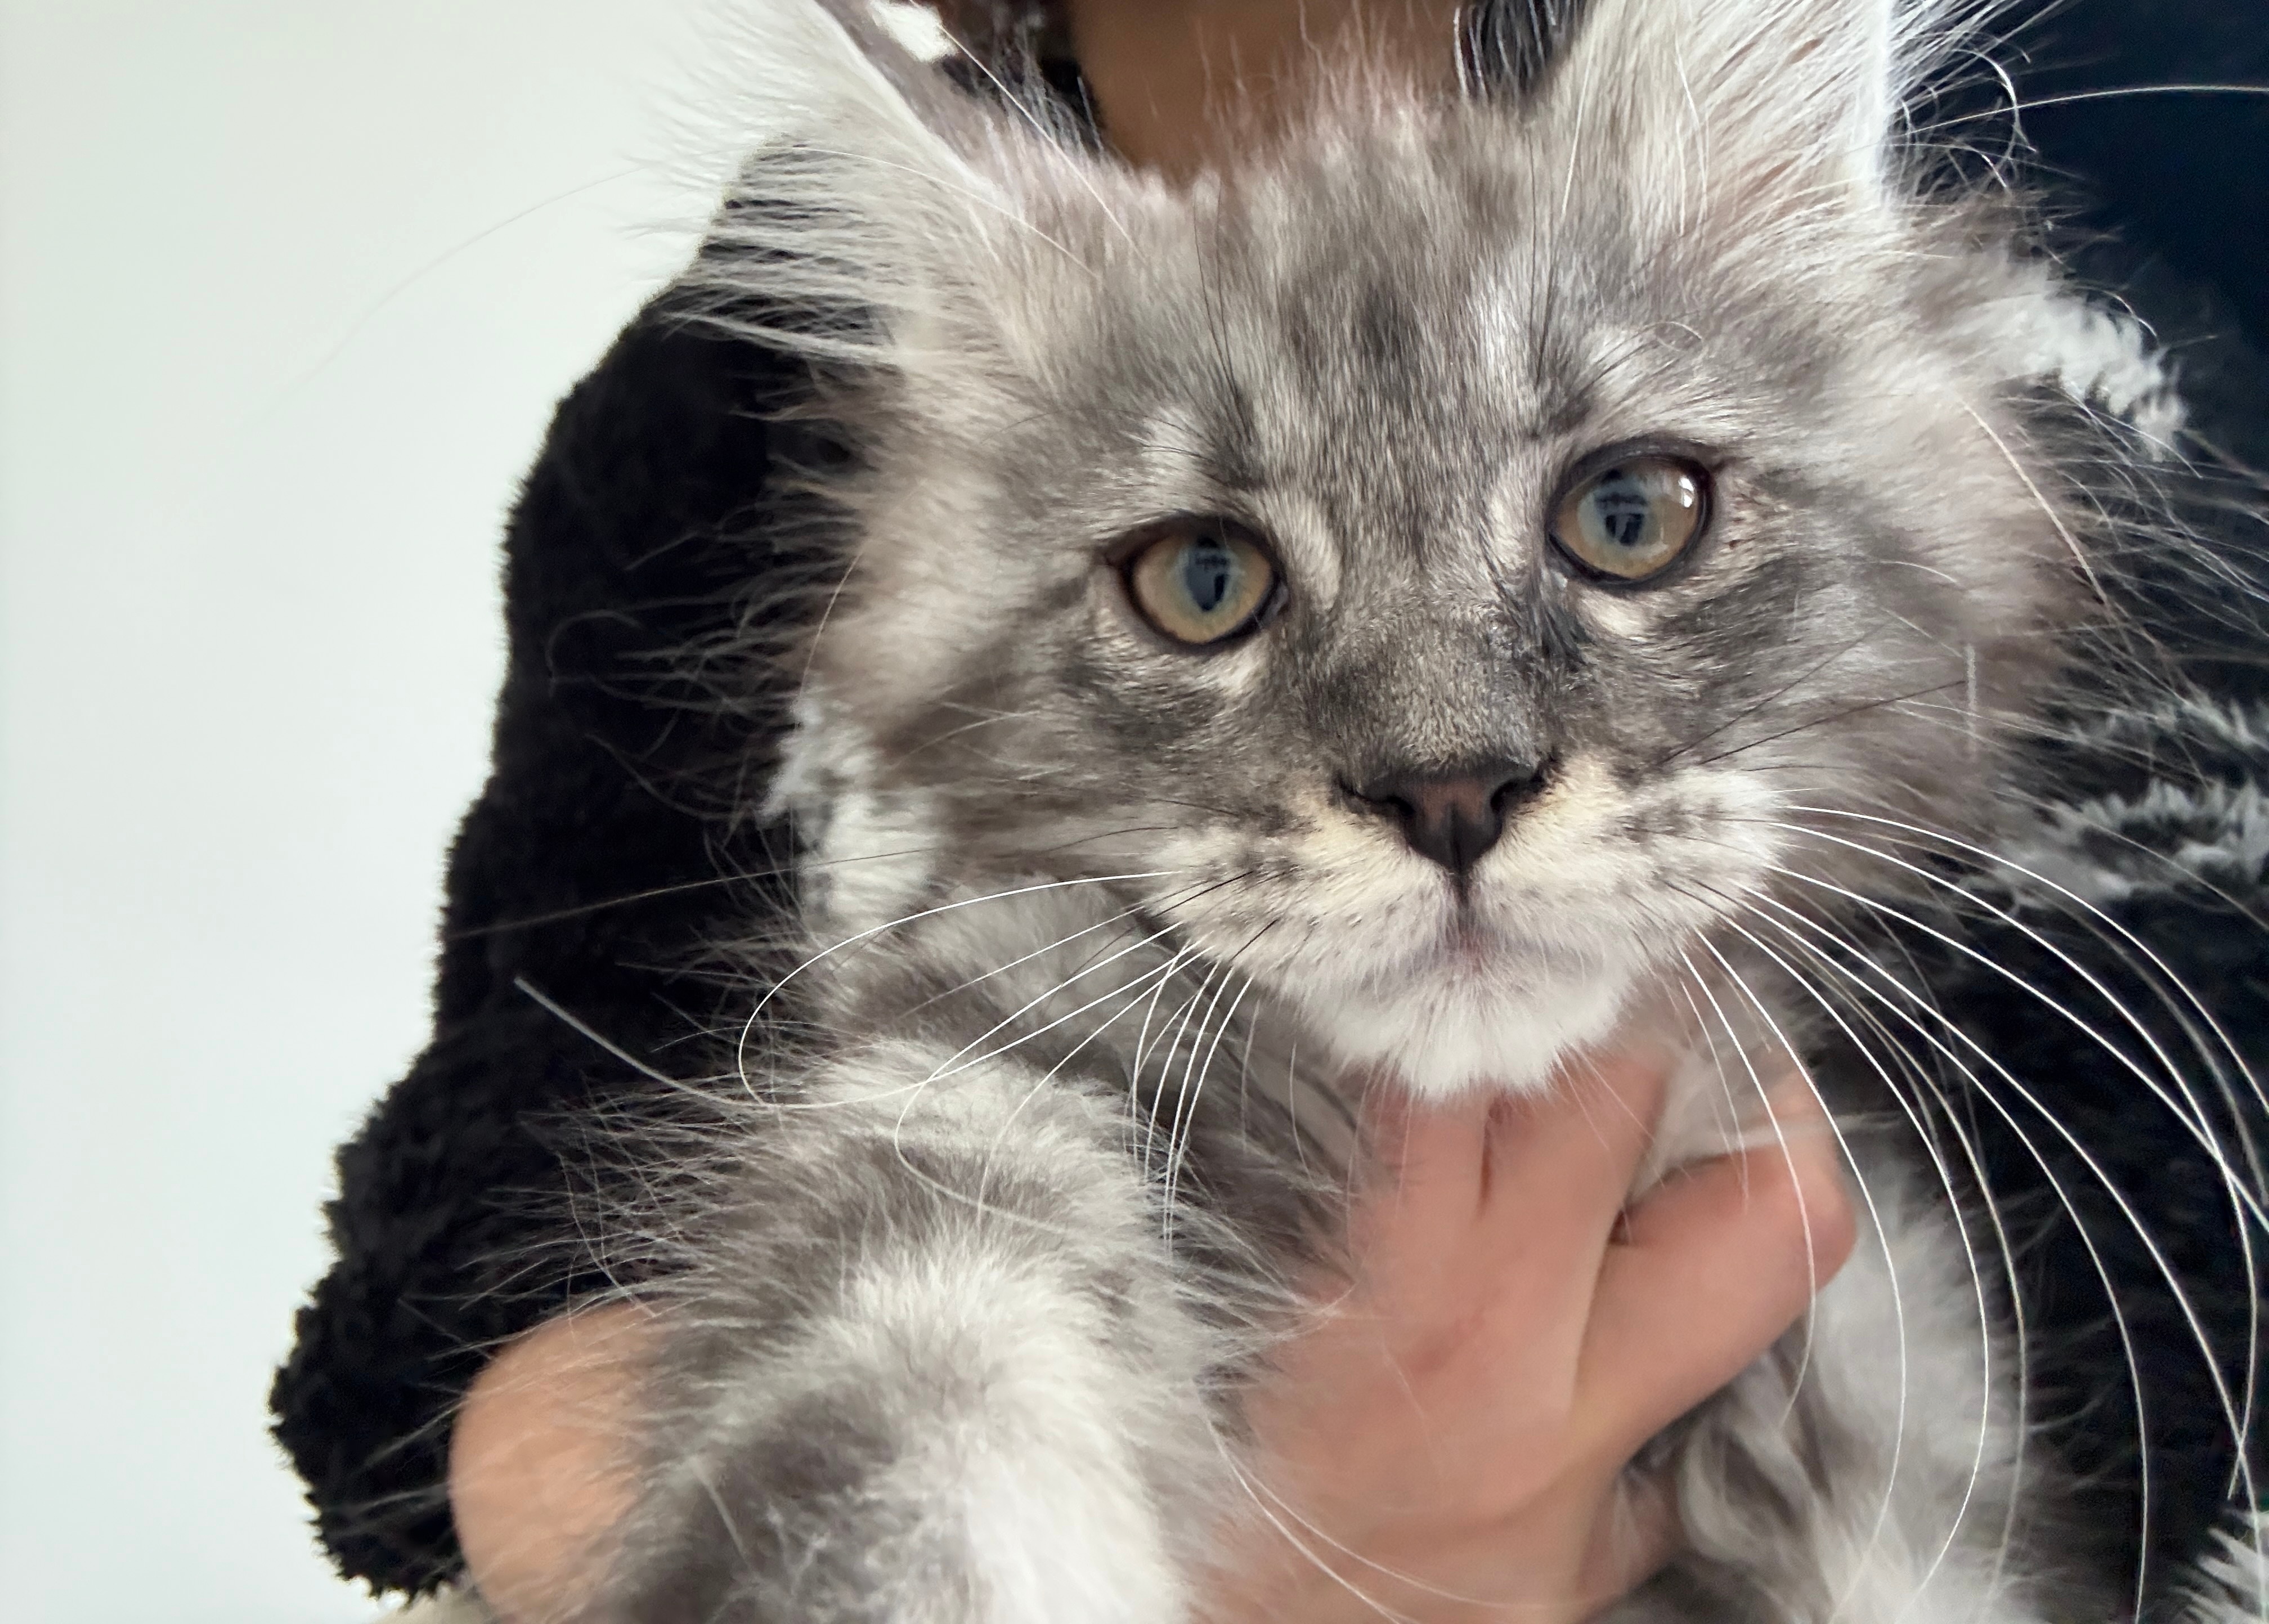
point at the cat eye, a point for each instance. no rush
(1202, 582)
(1632, 519)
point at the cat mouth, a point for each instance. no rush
(1466, 949)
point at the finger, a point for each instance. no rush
(540, 1460)
(1635, 1532)
(1557, 1172)
(1713, 1267)
(1560, 1165)
(1421, 1207)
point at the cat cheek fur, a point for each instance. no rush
(971, 1267)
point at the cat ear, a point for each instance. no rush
(1773, 106)
(876, 184)
(1506, 48)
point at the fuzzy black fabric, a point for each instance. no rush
(596, 863)
(587, 872)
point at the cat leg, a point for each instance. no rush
(933, 1369)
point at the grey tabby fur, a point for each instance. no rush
(1099, 953)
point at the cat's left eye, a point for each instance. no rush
(1632, 519)
(1202, 582)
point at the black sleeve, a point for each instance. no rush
(587, 870)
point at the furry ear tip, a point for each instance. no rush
(1792, 101)
(889, 35)
(1506, 48)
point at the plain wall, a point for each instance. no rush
(287, 288)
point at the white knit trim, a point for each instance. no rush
(2231, 1584)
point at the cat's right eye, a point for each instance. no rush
(1632, 519)
(1202, 582)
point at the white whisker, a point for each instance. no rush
(1980, 1297)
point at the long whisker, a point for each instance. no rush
(2189, 1113)
(1842, 1145)
(2242, 1198)
(1184, 1012)
(947, 1067)
(749, 1026)
(2033, 103)
(1262, 1496)
(1862, 976)
(1688, 746)
(1969, 1254)
(1883, 1240)
(1048, 1077)
(2177, 1293)
(1186, 1103)
(2127, 938)
(536, 995)
(1826, 718)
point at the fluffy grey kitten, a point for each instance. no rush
(1478, 578)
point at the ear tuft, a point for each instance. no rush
(884, 192)
(1780, 105)
(844, 228)
(1506, 48)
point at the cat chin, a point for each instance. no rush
(1447, 1041)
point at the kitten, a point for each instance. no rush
(1477, 578)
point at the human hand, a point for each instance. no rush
(1449, 1442)
(542, 1457)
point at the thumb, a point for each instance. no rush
(1711, 1269)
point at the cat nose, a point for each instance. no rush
(1455, 817)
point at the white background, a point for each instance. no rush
(287, 288)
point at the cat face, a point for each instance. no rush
(1455, 562)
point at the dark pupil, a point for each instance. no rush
(1208, 570)
(1622, 508)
